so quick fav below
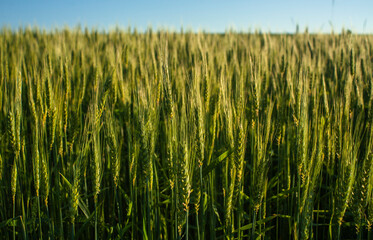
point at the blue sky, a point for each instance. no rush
(209, 15)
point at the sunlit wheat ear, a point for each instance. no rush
(18, 130)
(369, 210)
(145, 158)
(184, 186)
(229, 208)
(167, 93)
(100, 110)
(44, 179)
(52, 114)
(113, 147)
(133, 165)
(18, 113)
(116, 161)
(75, 191)
(11, 132)
(346, 175)
(65, 112)
(97, 170)
(36, 168)
(170, 158)
(13, 183)
(200, 137)
(32, 106)
(207, 90)
(239, 156)
(199, 148)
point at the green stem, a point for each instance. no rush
(116, 203)
(369, 234)
(41, 233)
(187, 227)
(96, 219)
(240, 210)
(254, 222)
(201, 201)
(298, 206)
(149, 232)
(73, 230)
(14, 215)
(198, 233)
(51, 224)
(174, 213)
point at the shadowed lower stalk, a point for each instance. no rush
(254, 223)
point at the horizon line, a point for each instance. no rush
(170, 29)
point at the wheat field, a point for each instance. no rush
(165, 135)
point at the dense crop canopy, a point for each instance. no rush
(165, 135)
